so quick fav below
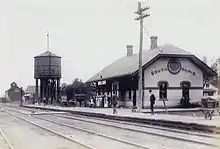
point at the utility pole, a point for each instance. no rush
(21, 103)
(141, 16)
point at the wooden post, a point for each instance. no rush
(21, 104)
(141, 16)
(58, 89)
(36, 91)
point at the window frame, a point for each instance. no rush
(207, 85)
(181, 85)
(167, 86)
(129, 94)
(174, 72)
(182, 82)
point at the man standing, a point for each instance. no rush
(114, 103)
(152, 102)
(91, 103)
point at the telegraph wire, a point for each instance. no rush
(149, 38)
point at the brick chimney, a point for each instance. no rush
(153, 42)
(129, 50)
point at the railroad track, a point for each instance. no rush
(195, 139)
(88, 119)
(161, 123)
(87, 139)
(100, 121)
(4, 141)
(20, 115)
(67, 122)
(91, 120)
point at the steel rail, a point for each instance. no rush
(119, 127)
(77, 128)
(144, 126)
(141, 131)
(177, 125)
(49, 130)
(92, 132)
(6, 139)
(140, 125)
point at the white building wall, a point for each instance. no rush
(196, 95)
(173, 95)
(174, 80)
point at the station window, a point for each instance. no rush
(185, 88)
(163, 85)
(99, 92)
(207, 85)
(129, 94)
(122, 95)
(210, 93)
(114, 87)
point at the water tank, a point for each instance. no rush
(47, 65)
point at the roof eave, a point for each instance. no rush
(110, 78)
(207, 70)
(47, 56)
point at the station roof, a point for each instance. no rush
(128, 65)
(47, 54)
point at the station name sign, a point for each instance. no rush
(102, 82)
(157, 71)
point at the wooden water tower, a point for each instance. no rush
(47, 71)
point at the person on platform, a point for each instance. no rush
(22, 100)
(44, 101)
(92, 102)
(114, 103)
(152, 101)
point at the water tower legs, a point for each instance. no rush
(36, 92)
(58, 89)
(42, 90)
(49, 89)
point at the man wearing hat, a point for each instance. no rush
(152, 101)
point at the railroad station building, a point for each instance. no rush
(168, 71)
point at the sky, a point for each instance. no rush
(89, 35)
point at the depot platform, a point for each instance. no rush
(190, 121)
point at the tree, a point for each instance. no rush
(205, 59)
(215, 65)
(78, 87)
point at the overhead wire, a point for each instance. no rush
(150, 38)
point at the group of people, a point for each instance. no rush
(115, 100)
